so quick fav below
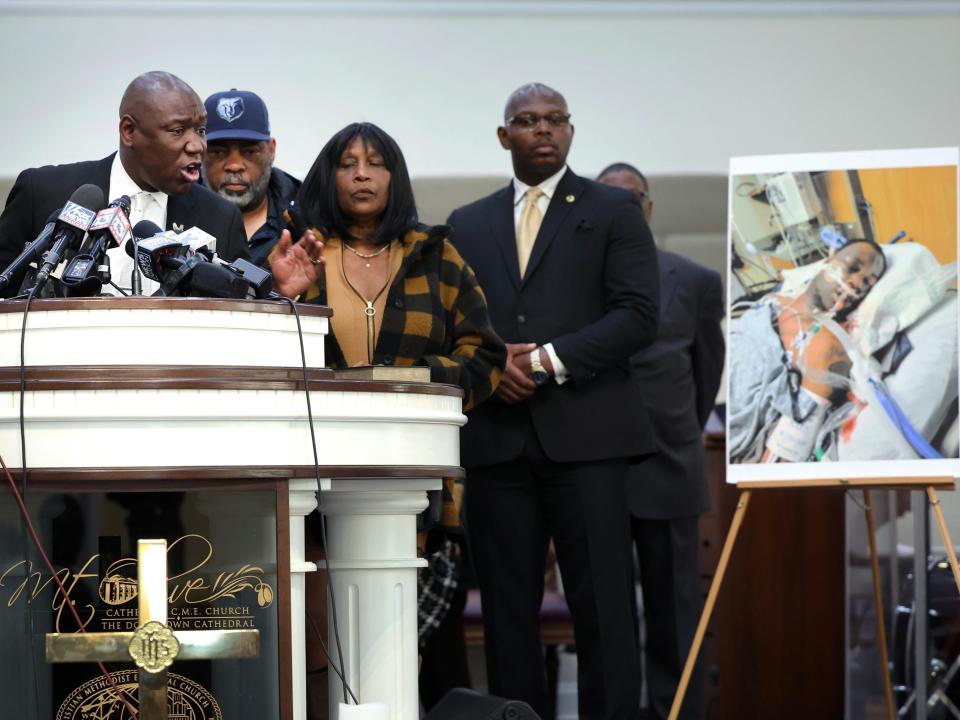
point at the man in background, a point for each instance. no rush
(239, 167)
(679, 376)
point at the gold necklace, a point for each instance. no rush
(366, 256)
(369, 311)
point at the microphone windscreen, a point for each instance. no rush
(122, 202)
(90, 197)
(145, 229)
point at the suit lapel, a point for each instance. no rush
(504, 232)
(570, 186)
(180, 209)
(103, 174)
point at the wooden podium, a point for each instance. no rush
(175, 394)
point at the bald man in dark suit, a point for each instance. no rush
(162, 130)
(679, 376)
(569, 270)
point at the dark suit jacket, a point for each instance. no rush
(679, 376)
(591, 289)
(39, 191)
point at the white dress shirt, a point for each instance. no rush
(143, 206)
(548, 187)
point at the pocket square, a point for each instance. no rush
(177, 227)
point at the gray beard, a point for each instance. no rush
(252, 197)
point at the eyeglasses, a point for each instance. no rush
(529, 121)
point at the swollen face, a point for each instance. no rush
(169, 141)
(239, 171)
(848, 276)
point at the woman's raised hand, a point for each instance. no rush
(296, 266)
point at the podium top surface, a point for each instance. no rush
(163, 303)
(161, 331)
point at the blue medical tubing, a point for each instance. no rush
(909, 432)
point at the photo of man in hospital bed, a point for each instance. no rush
(851, 355)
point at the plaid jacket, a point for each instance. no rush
(436, 315)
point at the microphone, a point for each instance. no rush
(142, 229)
(184, 265)
(87, 272)
(202, 278)
(259, 280)
(154, 249)
(213, 277)
(32, 251)
(72, 224)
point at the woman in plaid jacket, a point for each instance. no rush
(401, 295)
(400, 291)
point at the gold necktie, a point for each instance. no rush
(529, 226)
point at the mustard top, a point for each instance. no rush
(351, 324)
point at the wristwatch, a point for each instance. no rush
(540, 374)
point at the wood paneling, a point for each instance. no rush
(779, 619)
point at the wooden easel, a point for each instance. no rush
(931, 484)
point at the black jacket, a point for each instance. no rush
(591, 289)
(39, 191)
(679, 376)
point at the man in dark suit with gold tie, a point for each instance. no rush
(569, 270)
(679, 376)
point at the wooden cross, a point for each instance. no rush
(153, 646)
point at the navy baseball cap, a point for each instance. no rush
(237, 115)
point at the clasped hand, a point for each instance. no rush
(516, 383)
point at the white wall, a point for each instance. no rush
(674, 91)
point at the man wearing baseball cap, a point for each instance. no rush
(238, 166)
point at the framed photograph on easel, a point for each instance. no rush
(843, 318)
(842, 345)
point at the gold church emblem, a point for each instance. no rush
(116, 590)
(188, 590)
(97, 700)
(153, 646)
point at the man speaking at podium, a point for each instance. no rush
(162, 142)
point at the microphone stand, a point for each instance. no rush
(135, 283)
